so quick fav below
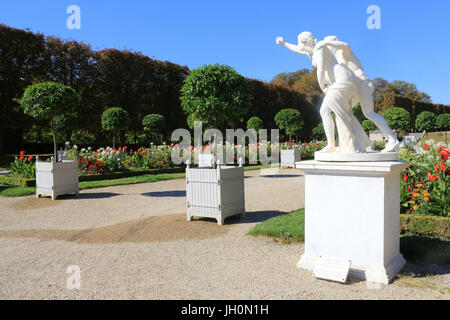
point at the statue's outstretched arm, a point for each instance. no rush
(300, 48)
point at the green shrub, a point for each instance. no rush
(426, 121)
(398, 119)
(443, 122)
(318, 132)
(290, 120)
(427, 226)
(114, 120)
(254, 123)
(53, 102)
(216, 94)
(368, 125)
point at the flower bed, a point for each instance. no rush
(107, 160)
(424, 185)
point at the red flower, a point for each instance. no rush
(21, 158)
(432, 177)
(445, 154)
(125, 148)
(30, 158)
(120, 149)
(305, 144)
(22, 152)
(139, 150)
(405, 177)
(426, 147)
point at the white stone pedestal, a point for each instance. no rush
(352, 212)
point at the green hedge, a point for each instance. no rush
(426, 226)
(17, 181)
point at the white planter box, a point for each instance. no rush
(352, 212)
(215, 193)
(56, 178)
(204, 159)
(289, 157)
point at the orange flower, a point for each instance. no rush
(415, 207)
(426, 199)
(419, 185)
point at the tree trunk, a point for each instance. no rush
(114, 140)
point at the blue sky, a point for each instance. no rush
(413, 43)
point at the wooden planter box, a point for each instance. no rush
(215, 193)
(56, 178)
(289, 157)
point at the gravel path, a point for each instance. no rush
(132, 242)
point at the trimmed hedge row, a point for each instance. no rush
(426, 226)
(414, 107)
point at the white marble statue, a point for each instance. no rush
(342, 79)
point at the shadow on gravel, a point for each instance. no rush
(282, 176)
(171, 193)
(91, 195)
(153, 229)
(254, 217)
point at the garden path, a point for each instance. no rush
(133, 242)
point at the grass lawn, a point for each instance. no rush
(8, 191)
(287, 228)
(290, 227)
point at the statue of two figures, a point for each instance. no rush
(342, 79)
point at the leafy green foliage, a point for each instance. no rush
(114, 119)
(426, 121)
(357, 112)
(217, 94)
(443, 122)
(318, 131)
(47, 100)
(398, 119)
(289, 120)
(153, 122)
(368, 125)
(254, 123)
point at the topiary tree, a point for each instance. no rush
(368, 125)
(443, 123)
(216, 94)
(289, 120)
(154, 123)
(426, 121)
(398, 119)
(114, 120)
(50, 101)
(254, 123)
